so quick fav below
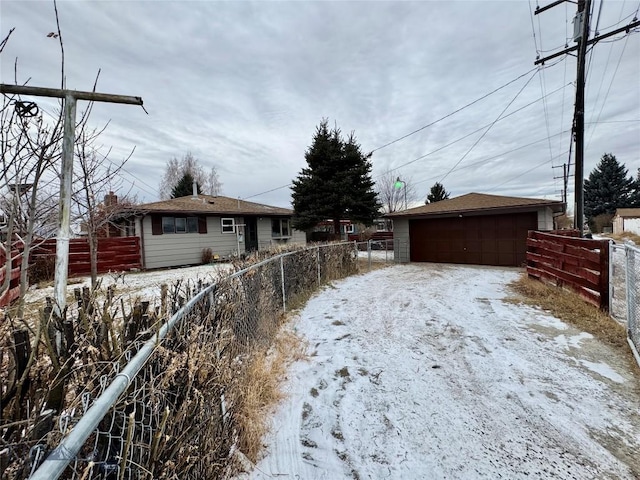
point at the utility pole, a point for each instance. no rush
(581, 36)
(70, 98)
(584, 7)
(565, 181)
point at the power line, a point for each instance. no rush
(485, 160)
(442, 147)
(489, 128)
(453, 113)
(524, 173)
(604, 102)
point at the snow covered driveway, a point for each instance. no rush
(424, 372)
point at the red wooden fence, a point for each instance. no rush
(114, 254)
(580, 264)
(14, 282)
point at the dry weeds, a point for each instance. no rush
(260, 390)
(626, 236)
(570, 308)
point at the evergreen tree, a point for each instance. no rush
(437, 193)
(336, 184)
(634, 196)
(184, 187)
(607, 188)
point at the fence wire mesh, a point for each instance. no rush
(178, 416)
(375, 252)
(625, 291)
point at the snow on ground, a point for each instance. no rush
(425, 372)
(144, 285)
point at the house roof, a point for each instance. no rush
(212, 205)
(628, 212)
(479, 202)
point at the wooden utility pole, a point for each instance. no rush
(70, 98)
(584, 7)
(581, 36)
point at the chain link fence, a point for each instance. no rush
(374, 252)
(625, 291)
(144, 397)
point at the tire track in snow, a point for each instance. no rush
(422, 371)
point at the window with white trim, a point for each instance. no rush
(280, 228)
(228, 225)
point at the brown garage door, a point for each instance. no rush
(479, 240)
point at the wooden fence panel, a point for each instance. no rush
(114, 254)
(578, 263)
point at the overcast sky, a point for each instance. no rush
(243, 86)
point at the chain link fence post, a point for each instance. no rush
(284, 295)
(319, 272)
(633, 327)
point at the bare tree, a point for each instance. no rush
(175, 169)
(394, 192)
(95, 179)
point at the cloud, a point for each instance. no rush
(243, 85)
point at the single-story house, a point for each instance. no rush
(176, 232)
(475, 228)
(626, 220)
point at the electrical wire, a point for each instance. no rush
(488, 159)
(604, 102)
(454, 112)
(489, 128)
(524, 173)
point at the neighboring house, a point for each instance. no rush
(626, 220)
(175, 232)
(474, 228)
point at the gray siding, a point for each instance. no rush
(176, 249)
(265, 240)
(401, 248)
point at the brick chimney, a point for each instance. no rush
(110, 199)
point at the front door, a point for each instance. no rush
(251, 234)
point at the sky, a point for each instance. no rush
(243, 86)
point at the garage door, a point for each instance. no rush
(479, 240)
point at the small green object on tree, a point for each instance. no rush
(184, 187)
(336, 184)
(437, 194)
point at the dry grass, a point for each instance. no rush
(626, 236)
(570, 308)
(261, 390)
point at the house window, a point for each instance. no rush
(280, 228)
(228, 225)
(351, 228)
(179, 225)
(381, 227)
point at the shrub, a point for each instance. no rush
(42, 269)
(207, 255)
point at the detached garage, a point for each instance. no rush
(474, 229)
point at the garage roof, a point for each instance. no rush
(479, 203)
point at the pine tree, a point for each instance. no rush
(437, 193)
(184, 187)
(336, 184)
(634, 196)
(607, 188)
